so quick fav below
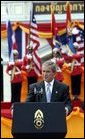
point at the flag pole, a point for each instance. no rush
(52, 21)
(30, 20)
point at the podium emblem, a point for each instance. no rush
(38, 119)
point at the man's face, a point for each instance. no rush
(47, 73)
(54, 54)
(15, 56)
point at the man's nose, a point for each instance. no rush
(44, 73)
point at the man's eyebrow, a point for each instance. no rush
(46, 70)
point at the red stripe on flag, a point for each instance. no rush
(34, 43)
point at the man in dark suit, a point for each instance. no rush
(59, 92)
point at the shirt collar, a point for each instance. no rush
(51, 83)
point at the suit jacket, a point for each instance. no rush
(60, 93)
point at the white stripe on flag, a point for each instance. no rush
(36, 61)
(34, 43)
(23, 44)
(34, 31)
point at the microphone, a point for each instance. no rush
(38, 92)
(35, 90)
(41, 91)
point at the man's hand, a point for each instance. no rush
(11, 110)
(67, 111)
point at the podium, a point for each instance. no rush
(39, 120)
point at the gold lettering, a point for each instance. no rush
(59, 9)
(81, 7)
(70, 7)
(75, 7)
(64, 7)
(52, 7)
(43, 8)
(47, 8)
(37, 8)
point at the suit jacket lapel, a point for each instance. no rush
(55, 94)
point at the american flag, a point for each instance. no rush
(35, 44)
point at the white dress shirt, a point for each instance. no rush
(48, 90)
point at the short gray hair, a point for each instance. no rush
(51, 64)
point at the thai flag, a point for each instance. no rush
(16, 40)
(22, 41)
(11, 40)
